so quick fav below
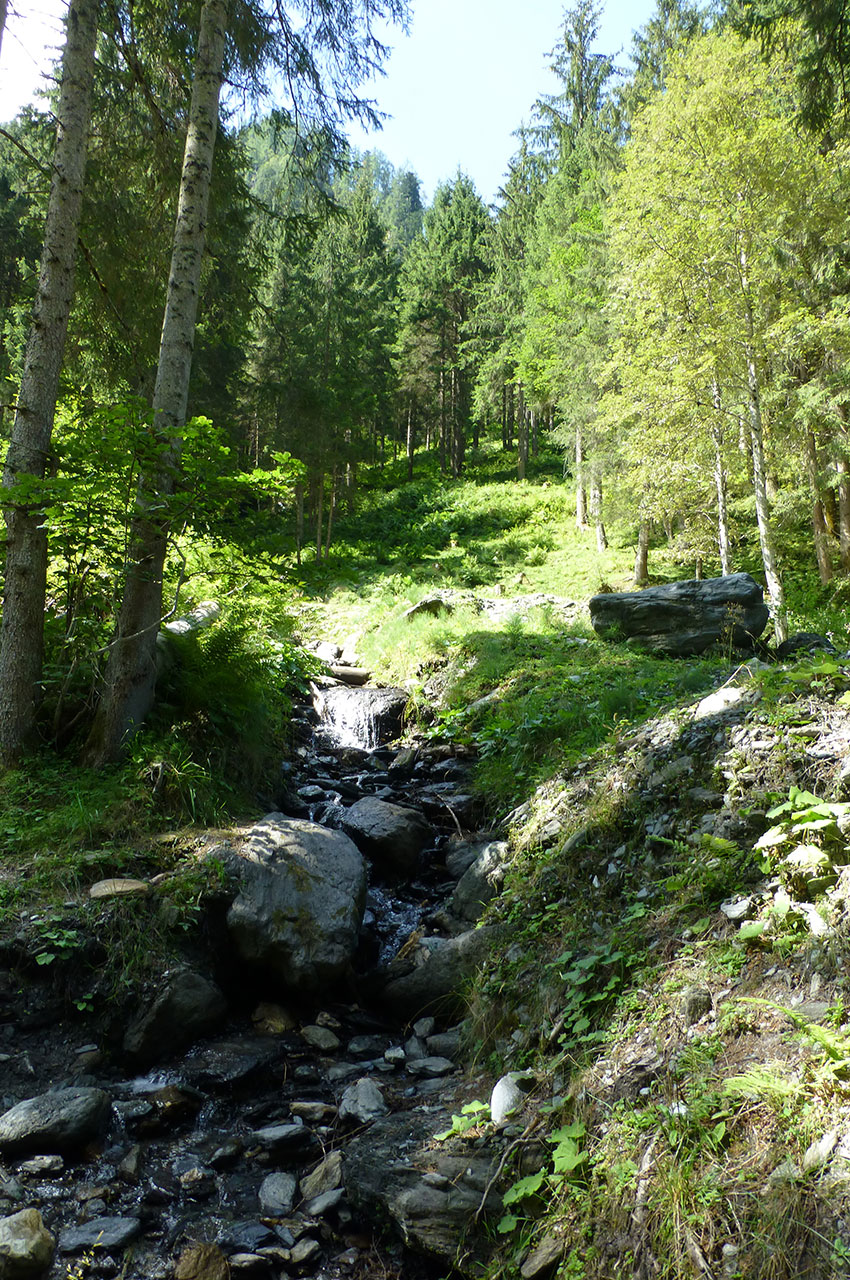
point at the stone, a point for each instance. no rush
(801, 643)
(277, 1194)
(362, 1102)
(424, 1027)
(26, 1246)
(444, 1044)
(431, 1068)
(320, 1038)
(272, 1019)
(249, 1265)
(389, 1172)
(187, 1006)
(683, 618)
(300, 903)
(101, 1233)
(63, 1120)
(200, 1261)
(117, 888)
(360, 717)
(543, 1257)
(506, 1100)
(325, 1177)
(304, 1251)
(323, 1204)
(41, 1166)
(390, 835)
(433, 977)
(286, 1139)
(480, 883)
(696, 1003)
(818, 1152)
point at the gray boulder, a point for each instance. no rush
(300, 902)
(391, 835)
(432, 978)
(361, 717)
(681, 618)
(481, 881)
(431, 1196)
(26, 1246)
(100, 1233)
(63, 1120)
(187, 1007)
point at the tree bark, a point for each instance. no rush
(4, 7)
(723, 540)
(763, 517)
(844, 513)
(131, 667)
(22, 628)
(642, 554)
(819, 529)
(522, 435)
(596, 511)
(581, 491)
(411, 442)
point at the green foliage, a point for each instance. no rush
(472, 1116)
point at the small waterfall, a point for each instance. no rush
(363, 717)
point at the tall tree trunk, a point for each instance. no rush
(723, 540)
(842, 466)
(534, 434)
(511, 417)
(3, 11)
(320, 515)
(299, 521)
(22, 629)
(642, 554)
(131, 666)
(331, 512)
(442, 421)
(596, 510)
(505, 444)
(522, 435)
(411, 442)
(819, 529)
(581, 491)
(763, 517)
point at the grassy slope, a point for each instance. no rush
(676, 1140)
(657, 1159)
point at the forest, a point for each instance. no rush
(659, 294)
(278, 431)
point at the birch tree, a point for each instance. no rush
(22, 628)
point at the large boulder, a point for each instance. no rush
(300, 902)
(431, 978)
(390, 835)
(480, 882)
(431, 1196)
(360, 717)
(186, 1007)
(682, 618)
(63, 1120)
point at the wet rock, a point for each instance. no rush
(362, 1102)
(440, 968)
(681, 618)
(226, 1062)
(41, 1166)
(277, 1194)
(324, 1204)
(363, 717)
(249, 1265)
(284, 1140)
(63, 1120)
(313, 1112)
(245, 1237)
(187, 1006)
(304, 1251)
(272, 1019)
(300, 903)
(325, 1177)
(446, 1044)
(200, 1261)
(26, 1246)
(390, 835)
(102, 1233)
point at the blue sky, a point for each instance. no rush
(456, 87)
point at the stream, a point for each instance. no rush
(225, 1160)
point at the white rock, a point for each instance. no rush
(363, 1102)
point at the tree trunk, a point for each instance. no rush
(596, 511)
(442, 421)
(581, 491)
(534, 434)
(131, 667)
(819, 529)
(844, 512)
(522, 435)
(299, 521)
(763, 517)
(723, 541)
(320, 515)
(331, 512)
(22, 629)
(642, 554)
(411, 442)
(3, 11)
